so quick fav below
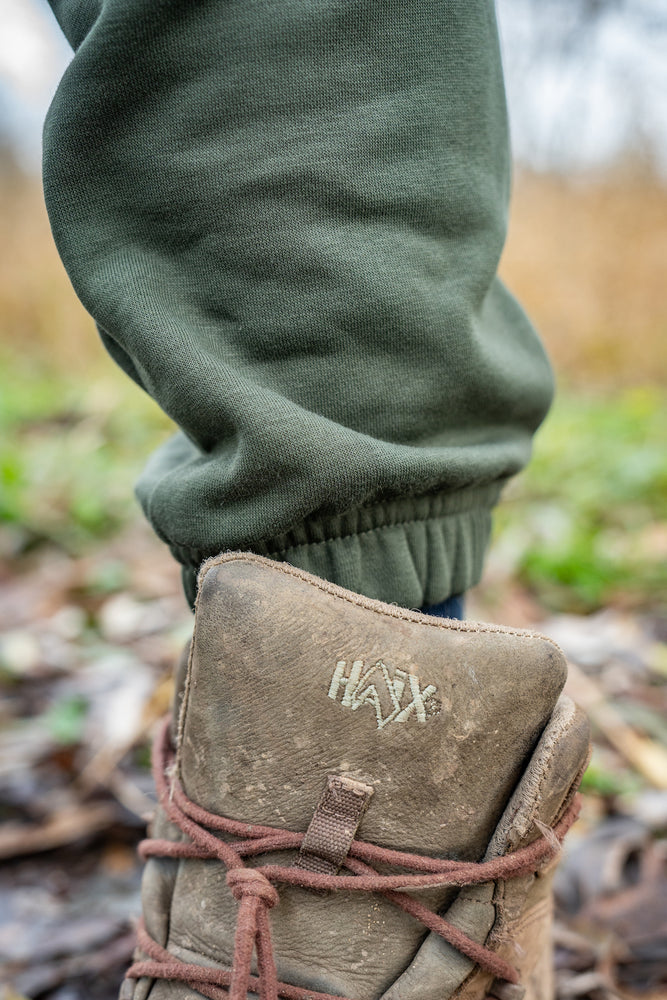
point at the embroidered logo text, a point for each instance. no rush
(394, 695)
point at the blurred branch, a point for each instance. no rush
(65, 827)
(645, 755)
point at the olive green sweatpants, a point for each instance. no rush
(286, 217)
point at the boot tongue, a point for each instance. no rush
(292, 680)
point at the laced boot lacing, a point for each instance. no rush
(255, 890)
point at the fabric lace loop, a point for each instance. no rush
(254, 889)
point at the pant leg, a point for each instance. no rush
(286, 219)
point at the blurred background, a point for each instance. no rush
(91, 615)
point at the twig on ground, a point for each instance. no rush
(64, 827)
(644, 754)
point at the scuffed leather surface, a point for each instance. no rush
(259, 734)
(513, 917)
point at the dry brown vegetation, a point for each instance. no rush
(588, 260)
(40, 317)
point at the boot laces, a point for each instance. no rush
(255, 890)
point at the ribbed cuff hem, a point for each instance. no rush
(412, 552)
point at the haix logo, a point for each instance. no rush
(394, 695)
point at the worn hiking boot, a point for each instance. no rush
(356, 800)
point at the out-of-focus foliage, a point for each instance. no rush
(586, 258)
(68, 455)
(586, 525)
(583, 80)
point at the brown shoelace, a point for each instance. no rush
(254, 888)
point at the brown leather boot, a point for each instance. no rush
(367, 797)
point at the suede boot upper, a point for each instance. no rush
(292, 681)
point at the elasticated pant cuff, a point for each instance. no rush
(412, 552)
